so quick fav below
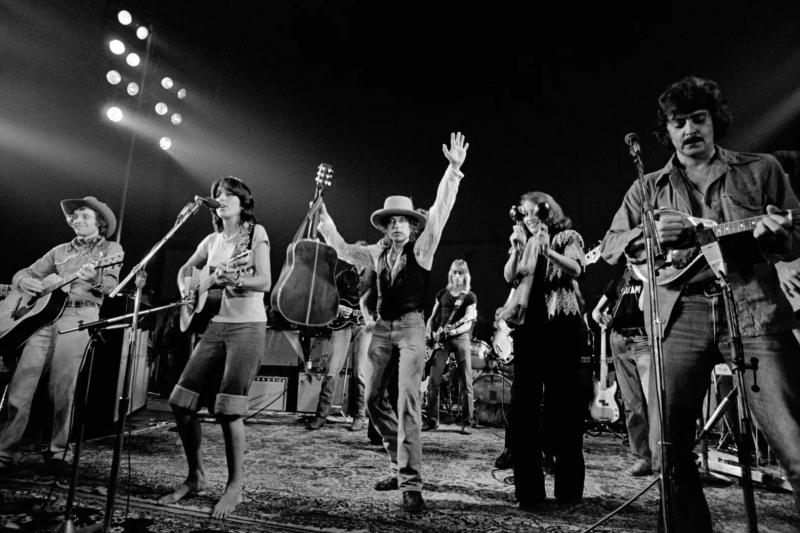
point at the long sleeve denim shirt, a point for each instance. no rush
(741, 186)
(66, 259)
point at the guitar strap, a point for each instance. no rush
(245, 240)
(626, 281)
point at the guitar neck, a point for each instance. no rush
(603, 359)
(748, 224)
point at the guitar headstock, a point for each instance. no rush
(593, 255)
(324, 177)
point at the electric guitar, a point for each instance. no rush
(604, 406)
(502, 342)
(22, 314)
(682, 263)
(205, 297)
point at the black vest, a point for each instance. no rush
(409, 288)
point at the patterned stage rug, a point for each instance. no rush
(300, 480)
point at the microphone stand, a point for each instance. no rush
(653, 249)
(139, 273)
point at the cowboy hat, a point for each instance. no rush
(70, 205)
(397, 205)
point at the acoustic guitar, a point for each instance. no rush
(22, 314)
(205, 297)
(502, 342)
(306, 293)
(681, 263)
(604, 406)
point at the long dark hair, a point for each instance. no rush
(556, 221)
(688, 95)
(235, 186)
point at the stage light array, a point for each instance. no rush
(128, 71)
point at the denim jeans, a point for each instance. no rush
(697, 339)
(61, 357)
(459, 345)
(632, 358)
(401, 431)
(221, 368)
(342, 340)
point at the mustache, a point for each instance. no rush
(692, 139)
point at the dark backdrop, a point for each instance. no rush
(544, 95)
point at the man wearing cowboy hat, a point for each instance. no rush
(59, 356)
(402, 261)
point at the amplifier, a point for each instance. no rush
(267, 393)
(309, 386)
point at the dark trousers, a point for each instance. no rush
(547, 374)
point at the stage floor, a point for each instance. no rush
(300, 480)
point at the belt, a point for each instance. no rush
(81, 303)
(639, 331)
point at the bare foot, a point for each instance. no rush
(190, 486)
(228, 502)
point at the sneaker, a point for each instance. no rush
(316, 423)
(357, 425)
(503, 461)
(413, 502)
(466, 430)
(641, 468)
(387, 483)
(428, 424)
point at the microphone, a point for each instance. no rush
(632, 140)
(208, 202)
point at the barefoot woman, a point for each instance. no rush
(224, 362)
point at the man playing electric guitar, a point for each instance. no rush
(454, 314)
(705, 180)
(48, 355)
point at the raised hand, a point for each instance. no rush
(457, 152)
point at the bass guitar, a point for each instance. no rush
(681, 263)
(604, 406)
(22, 314)
(502, 342)
(205, 296)
(306, 293)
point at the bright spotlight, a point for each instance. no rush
(166, 83)
(124, 17)
(133, 88)
(176, 118)
(165, 143)
(113, 77)
(116, 47)
(161, 108)
(181, 94)
(142, 32)
(133, 59)
(114, 114)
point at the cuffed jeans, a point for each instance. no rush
(60, 356)
(632, 358)
(696, 340)
(461, 346)
(340, 344)
(401, 431)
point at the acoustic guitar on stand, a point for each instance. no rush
(604, 406)
(22, 314)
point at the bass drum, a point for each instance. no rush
(492, 394)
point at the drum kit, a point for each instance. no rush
(492, 375)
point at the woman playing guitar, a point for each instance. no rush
(224, 362)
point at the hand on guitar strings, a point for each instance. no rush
(669, 227)
(31, 286)
(226, 278)
(774, 230)
(88, 273)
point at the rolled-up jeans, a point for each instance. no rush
(60, 356)
(697, 339)
(401, 431)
